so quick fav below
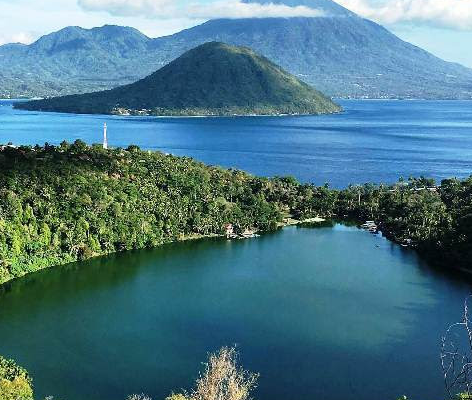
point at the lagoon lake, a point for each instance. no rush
(328, 312)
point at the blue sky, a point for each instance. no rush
(443, 27)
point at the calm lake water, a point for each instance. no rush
(321, 313)
(372, 141)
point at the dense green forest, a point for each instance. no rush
(436, 220)
(59, 204)
(72, 202)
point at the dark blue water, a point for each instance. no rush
(329, 313)
(372, 141)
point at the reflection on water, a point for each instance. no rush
(324, 313)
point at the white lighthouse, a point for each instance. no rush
(105, 139)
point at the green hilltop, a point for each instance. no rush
(211, 79)
(60, 204)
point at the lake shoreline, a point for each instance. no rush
(286, 223)
(183, 238)
(118, 312)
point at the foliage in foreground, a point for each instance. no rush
(73, 202)
(15, 383)
(222, 379)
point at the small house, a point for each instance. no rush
(229, 230)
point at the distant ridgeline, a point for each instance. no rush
(73, 202)
(212, 79)
(339, 53)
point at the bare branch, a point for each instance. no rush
(456, 356)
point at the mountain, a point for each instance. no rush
(340, 53)
(343, 56)
(74, 60)
(212, 79)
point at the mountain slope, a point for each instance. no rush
(341, 54)
(212, 79)
(74, 60)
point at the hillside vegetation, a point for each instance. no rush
(341, 54)
(72, 202)
(75, 60)
(212, 79)
(15, 383)
(222, 379)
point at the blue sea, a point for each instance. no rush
(371, 141)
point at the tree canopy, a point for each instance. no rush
(60, 204)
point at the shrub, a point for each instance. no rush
(222, 379)
(15, 383)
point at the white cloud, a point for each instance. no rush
(236, 9)
(127, 7)
(217, 9)
(19, 37)
(455, 14)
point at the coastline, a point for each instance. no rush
(287, 222)
(181, 238)
(432, 260)
(138, 115)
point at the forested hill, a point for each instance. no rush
(341, 54)
(72, 202)
(212, 79)
(75, 60)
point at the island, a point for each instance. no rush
(214, 79)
